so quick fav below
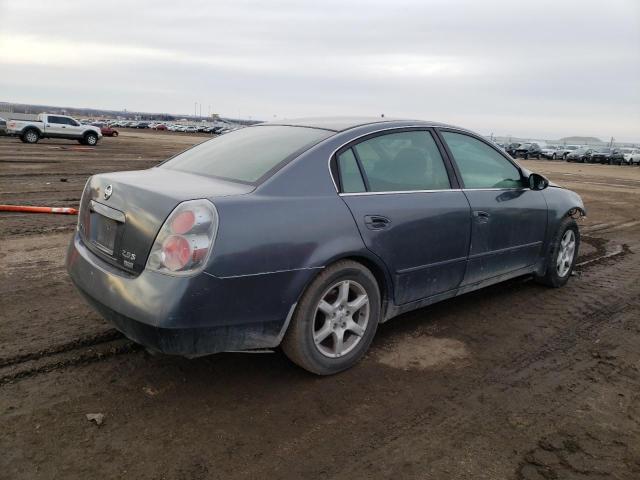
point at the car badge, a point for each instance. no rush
(107, 192)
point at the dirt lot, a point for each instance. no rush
(516, 381)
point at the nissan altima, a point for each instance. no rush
(308, 234)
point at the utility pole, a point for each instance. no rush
(195, 108)
(611, 142)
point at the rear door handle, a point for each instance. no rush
(481, 216)
(376, 222)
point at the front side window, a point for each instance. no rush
(402, 161)
(480, 165)
(54, 119)
(248, 154)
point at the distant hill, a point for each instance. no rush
(580, 140)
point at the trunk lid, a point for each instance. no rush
(121, 213)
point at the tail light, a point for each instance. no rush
(186, 239)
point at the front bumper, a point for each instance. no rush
(187, 316)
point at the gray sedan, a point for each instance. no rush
(309, 234)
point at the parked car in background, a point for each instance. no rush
(143, 125)
(3, 126)
(53, 126)
(631, 155)
(398, 223)
(511, 148)
(190, 129)
(582, 154)
(527, 150)
(607, 155)
(160, 126)
(549, 152)
(563, 151)
(108, 131)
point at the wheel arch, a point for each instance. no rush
(31, 128)
(376, 266)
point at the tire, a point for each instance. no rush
(325, 356)
(115, 134)
(554, 156)
(525, 156)
(555, 276)
(30, 136)
(91, 139)
(565, 156)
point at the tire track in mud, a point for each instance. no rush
(78, 343)
(72, 358)
(83, 350)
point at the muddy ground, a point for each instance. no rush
(515, 381)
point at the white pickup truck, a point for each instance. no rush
(53, 126)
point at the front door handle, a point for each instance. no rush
(376, 222)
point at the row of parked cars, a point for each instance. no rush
(575, 153)
(201, 128)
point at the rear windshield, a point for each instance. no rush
(249, 154)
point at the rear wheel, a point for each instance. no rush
(553, 157)
(335, 320)
(562, 254)
(114, 134)
(30, 136)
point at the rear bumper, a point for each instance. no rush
(187, 316)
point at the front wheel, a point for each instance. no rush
(562, 255)
(91, 139)
(335, 320)
(553, 157)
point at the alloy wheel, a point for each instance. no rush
(341, 318)
(566, 252)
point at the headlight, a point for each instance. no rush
(185, 240)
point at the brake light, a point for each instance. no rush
(185, 241)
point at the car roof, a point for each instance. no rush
(340, 124)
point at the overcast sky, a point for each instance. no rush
(527, 68)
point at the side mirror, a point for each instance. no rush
(537, 182)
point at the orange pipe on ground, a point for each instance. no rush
(25, 208)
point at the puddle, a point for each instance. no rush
(419, 353)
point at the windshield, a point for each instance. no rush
(604, 150)
(248, 154)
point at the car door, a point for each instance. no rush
(74, 128)
(509, 220)
(398, 187)
(55, 126)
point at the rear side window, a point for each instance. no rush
(350, 178)
(480, 165)
(403, 161)
(248, 154)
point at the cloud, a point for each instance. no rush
(530, 68)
